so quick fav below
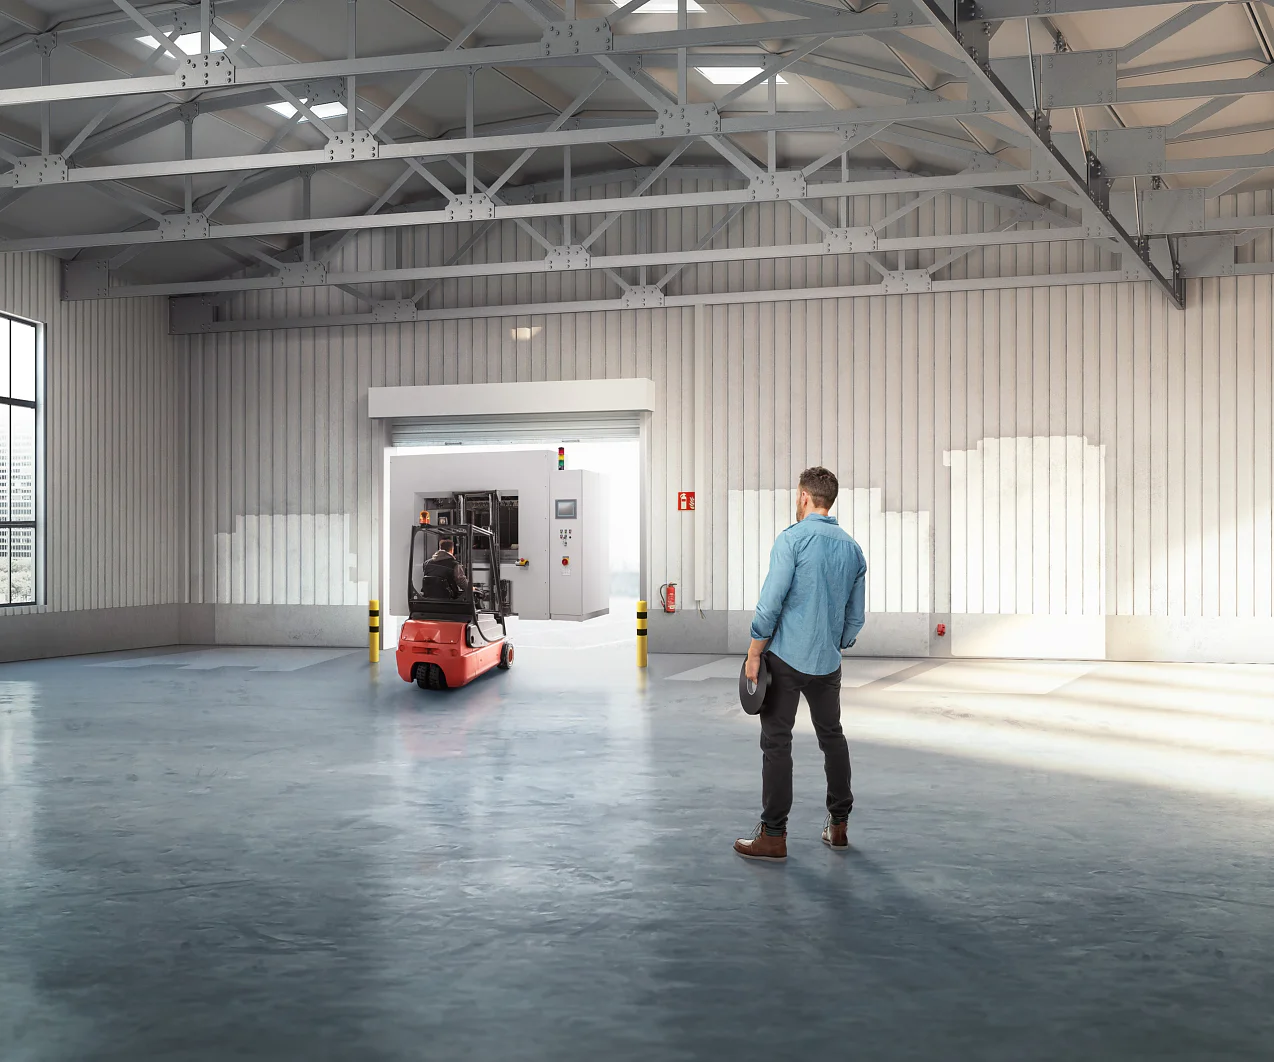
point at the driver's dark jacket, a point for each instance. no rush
(444, 566)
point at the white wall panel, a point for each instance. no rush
(1117, 457)
(114, 396)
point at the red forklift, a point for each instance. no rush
(458, 602)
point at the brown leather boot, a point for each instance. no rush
(762, 845)
(836, 835)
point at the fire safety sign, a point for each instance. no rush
(686, 501)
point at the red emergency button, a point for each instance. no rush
(566, 562)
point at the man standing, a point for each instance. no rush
(811, 607)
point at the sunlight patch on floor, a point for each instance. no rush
(1202, 728)
(994, 676)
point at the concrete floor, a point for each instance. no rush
(275, 854)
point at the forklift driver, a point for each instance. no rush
(443, 571)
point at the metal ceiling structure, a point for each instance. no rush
(196, 149)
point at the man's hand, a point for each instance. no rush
(755, 648)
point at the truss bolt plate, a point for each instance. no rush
(183, 227)
(87, 279)
(698, 119)
(573, 256)
(358, 146)
(1045, 167)
(394, 310)
(303, 274)
(1171, 210)
(1078, 79)
(788, 184)
(476, 207)
(581, 36)
(641, 297)
(851, 241)
(204, 71)
(1132, 152)
(36, 170)
(907, 282)
(1204, 256)
(1097, 225)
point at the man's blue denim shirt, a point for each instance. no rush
(811, 606)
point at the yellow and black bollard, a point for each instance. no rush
(373, 631)
(641, 634)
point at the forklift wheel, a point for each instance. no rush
(437, 680)
(506, 656)
(422, 675)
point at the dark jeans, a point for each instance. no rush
(778, 716)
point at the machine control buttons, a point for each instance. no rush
(566, 562)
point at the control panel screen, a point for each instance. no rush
(565, 508)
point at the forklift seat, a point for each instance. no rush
(439, 588)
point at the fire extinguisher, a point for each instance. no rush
(668, 594)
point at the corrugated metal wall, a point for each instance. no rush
(1079, 450)
(114, 465)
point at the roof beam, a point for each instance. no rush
(151, 30)
(1004, 10)
(1168, 28)
(1234, 87)
(433, 149)
(701, 256)
(169, 113)
(850, 291)
(26, 16)
(457, 41)
(1091, 197)
(528, 54)
(526, 211)
(1172, 66)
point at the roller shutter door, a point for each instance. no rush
(535, 428)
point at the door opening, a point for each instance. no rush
(618, 462)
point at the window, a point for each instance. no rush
(321, 110)
(663, 7)
(19, 471)
(190, 43)
(736, 75)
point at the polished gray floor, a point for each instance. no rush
(253, 854)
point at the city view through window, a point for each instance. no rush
(18, 466)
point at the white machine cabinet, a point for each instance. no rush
(545, 587)
(579, 546)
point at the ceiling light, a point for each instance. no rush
(734, 75)
(190, 43)
(323, 110)
(661, 7)
(524, 332)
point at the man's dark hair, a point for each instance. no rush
(447, 545)
(821, 485)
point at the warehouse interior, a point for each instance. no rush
(273, 273)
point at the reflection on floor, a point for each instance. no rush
(268, 861)
(256, 659)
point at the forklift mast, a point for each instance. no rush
(471, 519)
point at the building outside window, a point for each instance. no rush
(19, 464)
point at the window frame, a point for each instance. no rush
(36, 523)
